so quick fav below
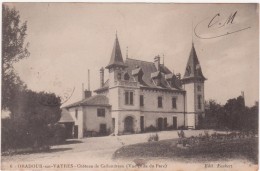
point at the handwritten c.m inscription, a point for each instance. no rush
(220, 23)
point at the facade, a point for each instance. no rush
(141, 96)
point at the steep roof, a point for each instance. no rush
(65, 116)
(148, 70)
(193, 68)
(116, 56)
(96, 100)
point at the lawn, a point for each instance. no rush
(204, 152)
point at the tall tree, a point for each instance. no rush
(13, 50)
(235, 112)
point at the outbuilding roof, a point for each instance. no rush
(65, 116)
(96, 100)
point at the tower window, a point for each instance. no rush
(174, 102)
(199, 88)
(129, 97)
(160, 102)
(126, 76)
(141, 100)
(119, 76)
(199, 101)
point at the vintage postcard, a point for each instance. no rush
(129, 86)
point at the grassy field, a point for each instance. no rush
(204, 152)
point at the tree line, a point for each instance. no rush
(234, 115)
(33, 115)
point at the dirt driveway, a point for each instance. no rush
(85, 151)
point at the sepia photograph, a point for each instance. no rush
(130, 86)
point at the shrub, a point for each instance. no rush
(153, 137)
(13, 136)
(57, 134)
(151, 128)
(182, 128)
(181, 134)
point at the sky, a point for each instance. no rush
(68, 39)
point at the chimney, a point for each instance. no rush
(88, 80)
(83, 94)
(87, 93)
(102, 77)
(157, 62)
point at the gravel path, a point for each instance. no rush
(87, 150)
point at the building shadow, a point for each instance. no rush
(54, 150)
(71, 141)
(33, 151)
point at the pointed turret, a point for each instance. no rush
(116, 57)
(193, 68)
(193, 83)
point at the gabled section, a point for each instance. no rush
(138, 74)
(156, 77)
(65, 116)
(116, 57)
(193, 68)
(173, 80)
(126, 76)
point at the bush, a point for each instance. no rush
(13, 136)
(57, 134)
(182, 128)
(31, 115)
(151, 128)
(153, 137)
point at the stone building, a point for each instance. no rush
(141, 96)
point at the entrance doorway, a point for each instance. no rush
(165, 123)
(174, 122)
(103, 129)
(142, 123)
(160, 124)
(129, 124)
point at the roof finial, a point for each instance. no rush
(88, 80)
(163, 59)
(192, 33)
(126, 51)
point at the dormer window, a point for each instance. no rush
(156, 77)
(138, 74)
(126, 76)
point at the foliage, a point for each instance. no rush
(203, 152)
(151, 128)
(153, 137)
(214, 114)
(57, 134)
(233, 115)
(32, 114)
(13, 50)
(182, 127)
(235, 112)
